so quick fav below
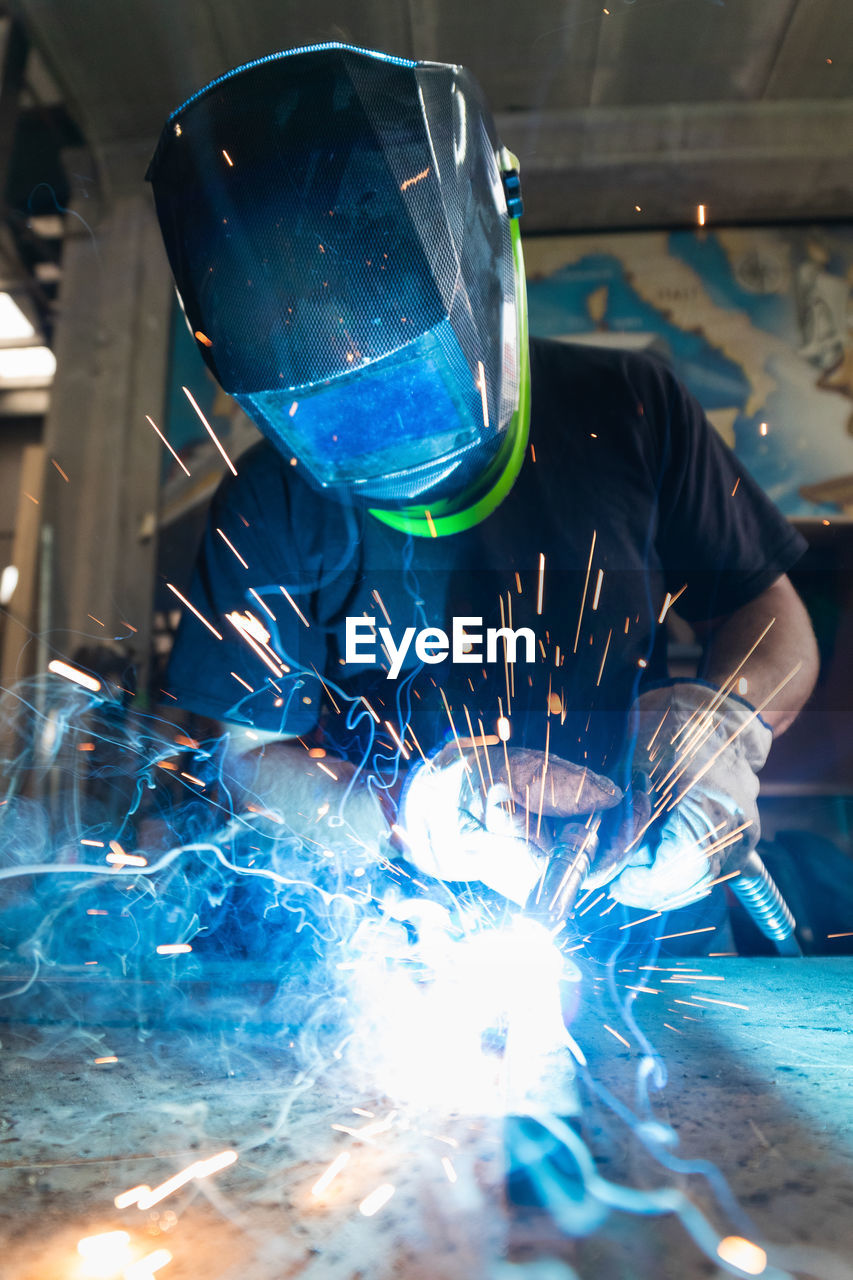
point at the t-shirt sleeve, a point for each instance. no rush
(248, 650)
(719, 537)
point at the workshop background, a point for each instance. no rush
(688, 187)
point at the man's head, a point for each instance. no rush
(340, 227)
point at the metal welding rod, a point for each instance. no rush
(554, 896)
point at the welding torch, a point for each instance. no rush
(554, 897)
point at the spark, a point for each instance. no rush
(651, 991)
(672, 1028)
(617, 1035)
(85, 746)
(541, 583)
(669, 601)
(241, 681)
(687, 933)
(474, 744)
(126, 860)
(184, 601)
(208, 428)
(257, 637)
(110, 1058)
(166, 443)
(503, 727)
(595, 598)
(96, 844)
(594, 903)
(126, 1198)
(734, 490)
(840, 935)
(730, 876)
(291, 411)
(327, 770)
(377, 597)
(700, 213)
(173, 948)
(727, 1003)
(376, 1200)
(326, 1179)
(289, 598)
(370, 709)
(231, 547)
(61, 472)
(447, 1166)
(742, 1254)
(480, 384)
(228, 159)
(642, 920)
(756, 713)
(199, 1169)
(329, 693)
(762, 429)
(401, 746)
(604, 659)
(203, 338)
(432, 529)
(71, 673)
(266, 608)
(410, 182)
(585, 588)
(145, 1267)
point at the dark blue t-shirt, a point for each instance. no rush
(627, 493)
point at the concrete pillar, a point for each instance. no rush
(112, 344)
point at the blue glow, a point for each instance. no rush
(289, 53)
(410, 413)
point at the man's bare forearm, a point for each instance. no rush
(785, 656)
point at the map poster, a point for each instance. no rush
(755, 321)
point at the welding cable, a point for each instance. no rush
(758, 892)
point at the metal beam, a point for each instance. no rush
(745, 162)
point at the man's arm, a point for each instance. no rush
(787, 647)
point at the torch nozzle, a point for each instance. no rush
(554, 896)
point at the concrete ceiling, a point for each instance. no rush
(745, 106)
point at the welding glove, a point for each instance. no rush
(701, 752)
(466, 816)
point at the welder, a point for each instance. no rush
(343, 231)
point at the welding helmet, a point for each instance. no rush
(342, 230)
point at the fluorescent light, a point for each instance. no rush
(27, 364)
(13, 322)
